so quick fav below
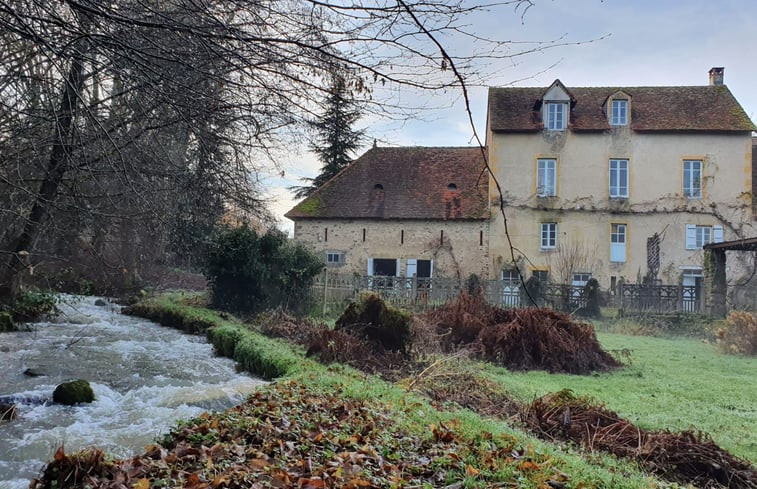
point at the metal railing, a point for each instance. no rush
(660, 298)
(332, 291)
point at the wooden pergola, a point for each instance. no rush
(715, 287)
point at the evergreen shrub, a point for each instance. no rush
(249, 273)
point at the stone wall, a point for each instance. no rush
(458, 248)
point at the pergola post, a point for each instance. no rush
(715, 287)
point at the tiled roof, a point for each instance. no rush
(404, 183)
(667, 109)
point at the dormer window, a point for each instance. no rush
(617, 107)
(556, 103)
(619, 115)
(556, 115)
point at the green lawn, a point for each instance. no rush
(670, 383)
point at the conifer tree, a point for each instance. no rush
(335, 141)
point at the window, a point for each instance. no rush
(619, 116)
(510, 275)
(619, 178)
(692, 179)
(698, 236)
(546, 177)
(387, 267)
(541, 275)
(334, 258)
(618, 243)
(548, 235)
(419, 268)
(556, 112)
(580, 279)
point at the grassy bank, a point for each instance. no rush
(672, 384)
(447, 445)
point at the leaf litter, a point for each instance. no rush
(290, 435)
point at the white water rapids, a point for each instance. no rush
(145, 377)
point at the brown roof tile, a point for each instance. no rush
(667, 109)
(416, 185)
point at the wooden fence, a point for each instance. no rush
(331, 292)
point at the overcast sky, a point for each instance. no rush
(633, 43)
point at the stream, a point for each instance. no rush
(145, 377)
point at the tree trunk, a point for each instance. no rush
(16, 260)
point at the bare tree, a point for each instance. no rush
(573, 256)
(116, 117)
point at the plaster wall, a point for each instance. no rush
(584, 210)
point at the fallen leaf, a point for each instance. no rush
(220, 480)
(60, 454)
(529, 465)
(142, 484)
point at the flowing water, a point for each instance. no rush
(145, 377)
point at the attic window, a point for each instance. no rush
(452, 186)
(378, 186)
(619, 112)
(556, 116)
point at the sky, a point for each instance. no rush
(616, 43)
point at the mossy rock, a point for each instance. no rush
(6, 322)
(74, 392)
(382, 325)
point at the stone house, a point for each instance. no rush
(619, 183)
(402, 212)
(614, 183)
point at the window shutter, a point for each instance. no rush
(431, 271)
(618, 252)
(691, 237)
(717, 234)
(412, 267)
(370, 267)
(397, 268)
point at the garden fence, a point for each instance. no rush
(332, 291)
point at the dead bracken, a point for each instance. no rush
(688, 456)
(521, 338)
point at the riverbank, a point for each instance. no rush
(333, 426)
(131, 365)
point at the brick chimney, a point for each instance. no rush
(716, 76)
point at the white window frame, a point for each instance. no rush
(620, 173)
(546, 177)
(619, 112)
(692, 179)
(556, 116)
(699, 235)
(509, 275)
(339, 255)
(618, 242)
(548, 235)
(580, 279)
